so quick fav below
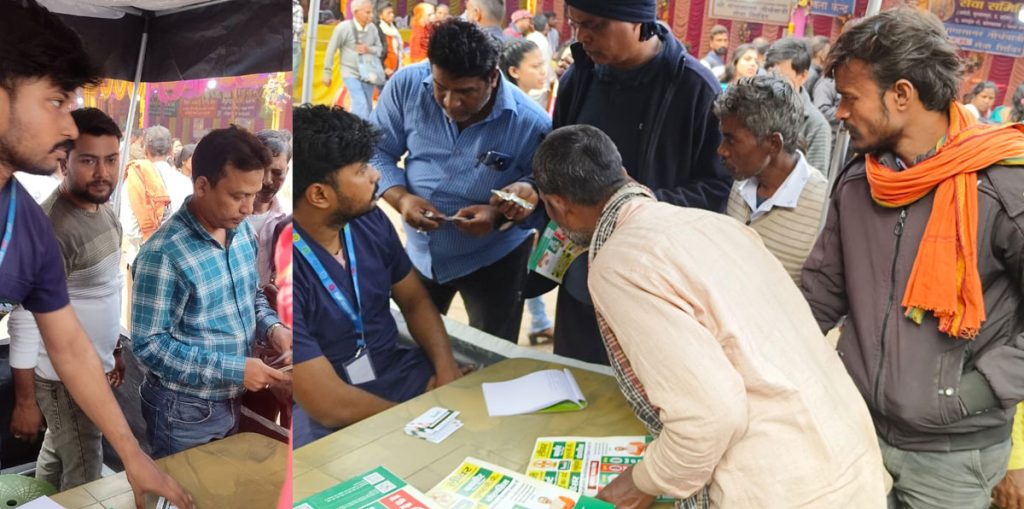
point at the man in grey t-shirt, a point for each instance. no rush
(89, 236)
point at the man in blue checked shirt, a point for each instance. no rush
(196, 304)
(464, 131)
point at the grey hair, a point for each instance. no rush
(903, 43)
(540, 22)
(278, 142)
(157, 141)
(765, 104)
(579, 163)
(359, 4)
(493, 10)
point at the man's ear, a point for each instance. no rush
(903, 93)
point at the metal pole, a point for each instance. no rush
(126, 142)
(309, 55)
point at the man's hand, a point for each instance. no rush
(27, 421)
(512, 211)
(447, 374)
(1009, 493)
(259, 376)
(281, 339)
(624, 494)
(145, 477)
(327, 82)
(116, 377)
(480, 219)
(413, 207)
(361, 48)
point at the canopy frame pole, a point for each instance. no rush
(126, 141)
(310, 53)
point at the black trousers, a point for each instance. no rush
(493, 294)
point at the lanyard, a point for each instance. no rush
(9, 229)
(328, 283)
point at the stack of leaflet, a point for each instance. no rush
(434, 425)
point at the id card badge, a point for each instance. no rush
(360, 369)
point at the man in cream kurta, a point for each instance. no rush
(713, 346)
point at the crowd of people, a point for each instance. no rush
(718, 259)
(196, 233)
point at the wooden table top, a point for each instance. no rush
(506, 441)
(243, 470)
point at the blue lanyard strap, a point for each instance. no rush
(328, 283)
(9, 229)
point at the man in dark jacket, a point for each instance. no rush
(634, 80)
(923, 252)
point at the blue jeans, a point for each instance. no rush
(362, 96)
(177, 421)
(539, 319)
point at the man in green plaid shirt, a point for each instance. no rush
(197, 309)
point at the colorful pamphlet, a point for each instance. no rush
(549, 390)
(554, 253)
(476, 484)
(584, 464)
(376, 489)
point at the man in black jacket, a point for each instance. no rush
(634, 80)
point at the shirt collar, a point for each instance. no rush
(786, 196)
(193, 224)
(358, 26)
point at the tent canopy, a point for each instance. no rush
(187, 39)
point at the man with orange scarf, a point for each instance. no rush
(923, 253)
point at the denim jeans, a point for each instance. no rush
(539, 319)
(941, 480)
(361, 93)
(176, 421)
(72, 451)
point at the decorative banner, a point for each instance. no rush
(983, 25)
(775, 12)
(832, 8)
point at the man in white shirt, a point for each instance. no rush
(268, 209)
(89, 237)
(158, 146)
(777, 192)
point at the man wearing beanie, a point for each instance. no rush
(634, 80)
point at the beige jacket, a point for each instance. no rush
(753, 400)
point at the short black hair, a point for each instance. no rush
(279, 142)
(512, 54)
(183, 155)
(462, 49)
(797, 51)
(718, 29)
(35, 43)
(95, 122)
(231, 145)
(326, 140)
(580, 163)
(540, 22)
(903, 43)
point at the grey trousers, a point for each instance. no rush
(72, 451)
(944, 480)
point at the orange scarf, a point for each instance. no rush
(945, 277)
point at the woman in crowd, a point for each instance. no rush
(742, 65)
(422, 16)
(980, 100)
(393, 41)
(183, 161)
(523, 64)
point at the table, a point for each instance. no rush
(505, 441)
(243, 470)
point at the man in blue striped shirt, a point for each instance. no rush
(464, 130)
(196, 304)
